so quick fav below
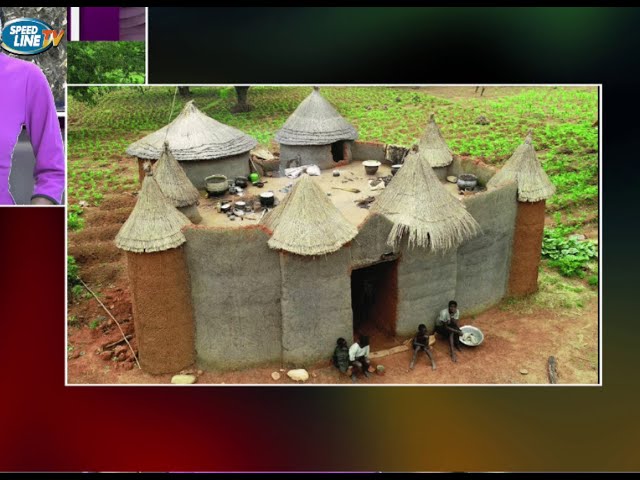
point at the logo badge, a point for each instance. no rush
(29, 36)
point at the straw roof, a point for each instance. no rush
(154, 224)
(173, 182)
(420, 207)
(307, 223)
(524, 168)
(315, 122)
(433, 148)
(193, 136)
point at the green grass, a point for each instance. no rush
(555, 292)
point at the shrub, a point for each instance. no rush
(568, 255)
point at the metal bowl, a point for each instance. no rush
(474, 332)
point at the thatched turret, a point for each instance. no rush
(175, 185)
(201, 144)
(307, 223)
(433, 148)
(154, 224)
(315, 122)
(525, 168)
(534, 187)
(159, 280)
(421, 208)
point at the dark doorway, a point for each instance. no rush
(374, 301)
(337, 151)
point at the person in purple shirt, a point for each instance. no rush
(26, 101)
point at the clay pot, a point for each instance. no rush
(467, 181)
(267, 199)
(371, 166)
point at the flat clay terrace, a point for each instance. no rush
(352, 176)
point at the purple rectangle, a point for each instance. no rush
(104, 24)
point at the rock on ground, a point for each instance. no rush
(183, 379)
(300, 375)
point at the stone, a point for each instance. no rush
(106, 356)
(199, 372)
(275, 376)
(183, 379)
(299, 375)
(577, 237)
(524, 371)
(482, 120)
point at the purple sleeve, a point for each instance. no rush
(43, 127)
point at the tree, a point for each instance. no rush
(105, 62)
(242, 105)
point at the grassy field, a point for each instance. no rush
(561, 117)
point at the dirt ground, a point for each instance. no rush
(514, 343)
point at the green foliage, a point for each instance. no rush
(94, 324)
(104, 62)
(568, 255)
(72, 271)
(593, 280)
(74, 222)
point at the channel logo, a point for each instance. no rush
(29, 36)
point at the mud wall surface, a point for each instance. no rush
(371, 242)
(481, 170)
(527, 248)
(316, 306)
(319, 155)
(233, 166)
(483, 262)
(162, 310)
(368, 151)
(236, 287)
(192, 213)
(441, 172)
(426, 283)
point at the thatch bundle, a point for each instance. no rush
(433, 148)
(173, 182)
(421, 208)
(524, 168)
(154, 224)
(193, 136)
(315, 122)
(307, 223)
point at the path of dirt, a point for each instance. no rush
(512, 343)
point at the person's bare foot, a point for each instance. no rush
(433, 366)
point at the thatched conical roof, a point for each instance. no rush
(173, 182)
(154, 224)
(420, 207)
(315, 122)
(307, 223)
(524, 168)
(193, 136)
(432, 147)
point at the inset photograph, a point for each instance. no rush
(333, 235)
(108, 45)
(33, 66)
